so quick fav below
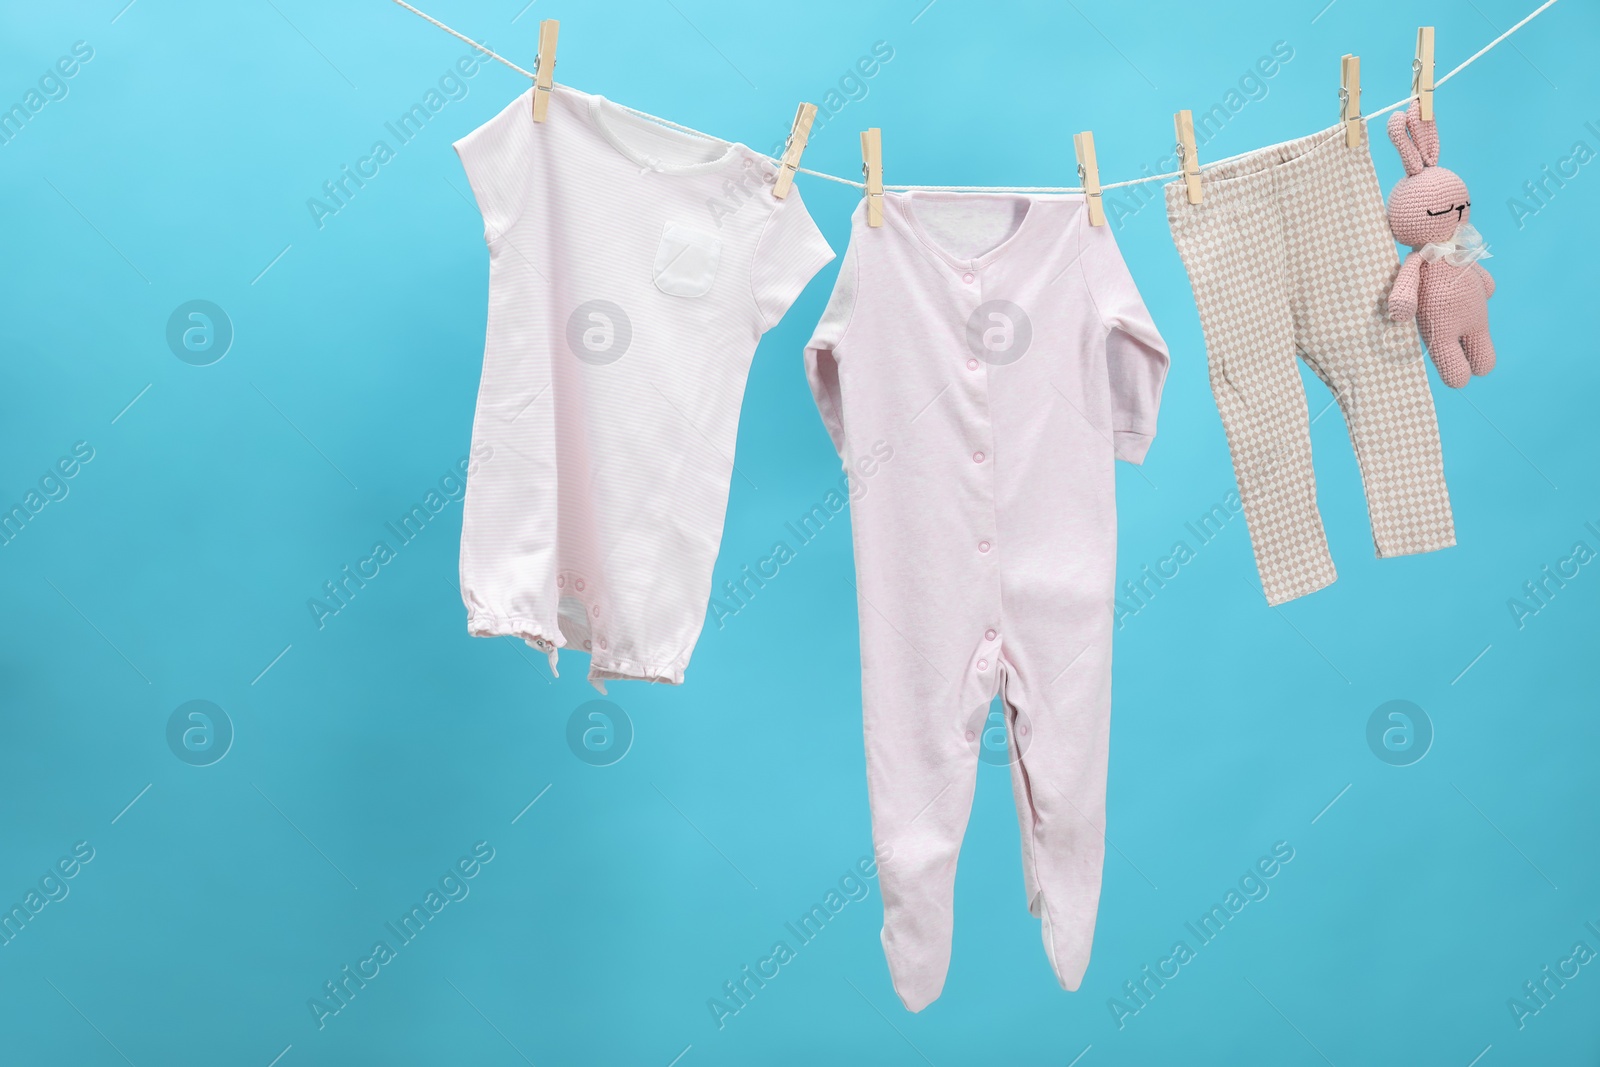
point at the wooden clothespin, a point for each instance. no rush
(1350, 99)
(799, 134)
(1188, 155)
(544, 69)
(1422, 72)
(872, 168)
(1089, 175)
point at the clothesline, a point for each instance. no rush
(1479, 54)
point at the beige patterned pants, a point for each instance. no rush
(1290, 254)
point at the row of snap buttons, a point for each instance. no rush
(983, 546)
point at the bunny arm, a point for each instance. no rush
(1403, 297)
(1488, 280)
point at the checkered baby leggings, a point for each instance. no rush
(1290, 253)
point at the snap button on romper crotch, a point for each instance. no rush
(978, 578)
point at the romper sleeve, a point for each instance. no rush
(788, 254)
(497, 159)
(1136, 356)
(822, 366)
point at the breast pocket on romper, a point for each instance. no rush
(686, 260)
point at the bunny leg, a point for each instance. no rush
(1480, 352)
(1452, 361)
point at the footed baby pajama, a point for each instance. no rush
(998, 346)
(632, 269)
(1289, 253)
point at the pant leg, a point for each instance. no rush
(924, 721)
(1059, 721)
(1233, 246)
(1342, 263)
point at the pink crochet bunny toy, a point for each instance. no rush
(1441, 282)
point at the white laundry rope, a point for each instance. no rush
(1479, 54)
(461, 36)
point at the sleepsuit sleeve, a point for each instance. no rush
(1136, 356)
(822, 361)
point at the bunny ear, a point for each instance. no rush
(1424, 134)
(1410, 158)
(1427, 137)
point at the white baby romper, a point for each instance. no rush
(999, 347)
(632, 269)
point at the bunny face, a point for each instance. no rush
(1430, 202)
(1427, 207)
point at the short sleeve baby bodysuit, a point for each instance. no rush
(632, 270)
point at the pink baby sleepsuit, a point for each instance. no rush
(632, 269)
(999, 346)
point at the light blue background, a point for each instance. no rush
(371, 754)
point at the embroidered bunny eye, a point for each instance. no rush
(1446, 211)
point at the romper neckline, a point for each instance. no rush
(604, 115)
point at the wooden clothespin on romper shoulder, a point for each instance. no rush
(1089, 175)
(872, 169)
(1422, 73)
(544, 68)
(1188, 155)
(1350, 99)
(793, 148)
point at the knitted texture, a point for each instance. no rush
(1289, 254)
(1450, 302)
